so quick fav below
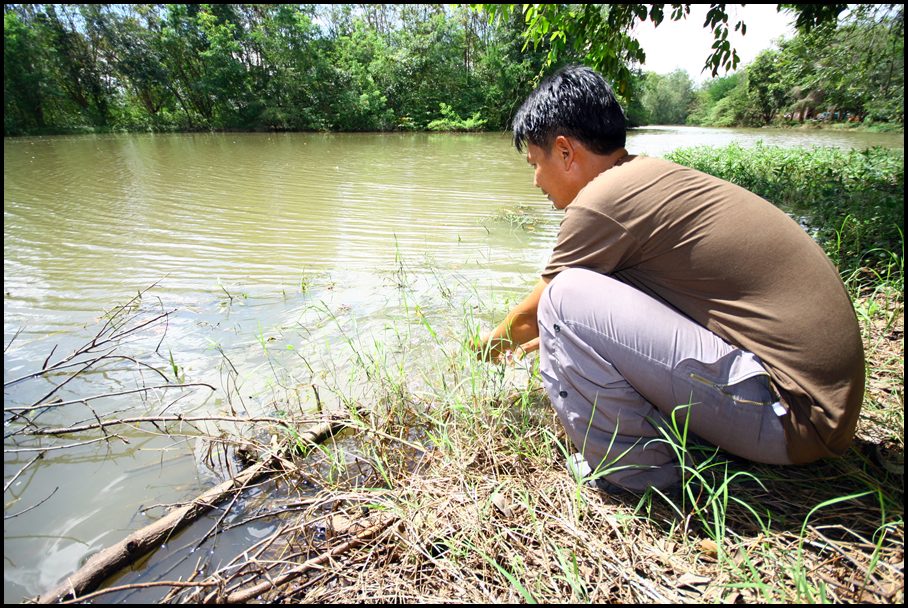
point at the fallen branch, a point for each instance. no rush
(9, 483)
(39, 406)
(245, 595)
(13, 339)
(100, 340)
(87, 364)
(63, 447)
(137, 544)
(172, 584)
(174, 418)
(35, 506)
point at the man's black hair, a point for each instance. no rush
(576, 102)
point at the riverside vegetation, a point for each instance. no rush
(73, 68)
(449, 483)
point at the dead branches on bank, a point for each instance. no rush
(122, 322)
(159, 419)
(129, 328)
(121, 325)
(466, 500)
(131, 325)
(139, 543)
(245, 594)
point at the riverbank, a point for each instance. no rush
(869, 127)
(467, 474)
(466, 128)
(488, 514)
(457, 492)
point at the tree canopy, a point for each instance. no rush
(852, 71)
(84, 67)
(601, 35)
(259, 66)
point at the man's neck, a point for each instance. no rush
(603, 162)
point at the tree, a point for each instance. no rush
(708, 95)
(601, 34)
(25, 77)
(504, 71)
(667, 99)
(291, 78)
(83, 76)
(128, 45)
(765, 87)
(733, 109)
(381, 67)
(855, 69)
(861, 67)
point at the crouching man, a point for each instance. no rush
(674, 293)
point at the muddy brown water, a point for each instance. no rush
(284, 253)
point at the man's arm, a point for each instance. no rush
(519, 328)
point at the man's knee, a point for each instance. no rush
(565, 289)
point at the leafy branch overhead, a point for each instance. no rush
(601, 35)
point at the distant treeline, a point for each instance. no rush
(343, 67)
(853, 72)
(260, 66)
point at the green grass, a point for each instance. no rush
(470, 457)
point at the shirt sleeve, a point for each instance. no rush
(592, 240)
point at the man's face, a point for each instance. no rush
(550, 175)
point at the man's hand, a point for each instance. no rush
(518, 332)
(528, 347)
(519, 353)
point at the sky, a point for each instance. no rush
(686, 44)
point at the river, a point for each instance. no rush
(280, 255)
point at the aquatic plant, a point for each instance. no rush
(519, 217)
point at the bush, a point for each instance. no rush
(451, 121)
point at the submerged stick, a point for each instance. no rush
(39, 406)
(173, 418)
(137, 544)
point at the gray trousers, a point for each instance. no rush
(618, 365)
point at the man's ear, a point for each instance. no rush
(563, 147)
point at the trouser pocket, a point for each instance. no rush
(738, 376)
(729, 403)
